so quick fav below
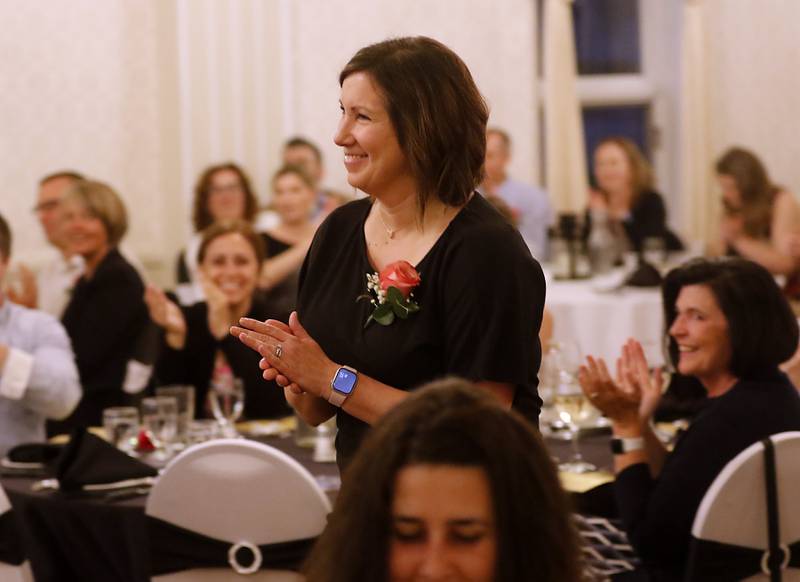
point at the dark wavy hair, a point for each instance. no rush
(201, 217)
(454, 423)
(436, 110)
(762, 327)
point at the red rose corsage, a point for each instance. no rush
(391, 292)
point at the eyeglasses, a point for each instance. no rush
(45, 206)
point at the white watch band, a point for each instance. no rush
(337, 398)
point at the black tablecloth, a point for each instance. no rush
(71, 539)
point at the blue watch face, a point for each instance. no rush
(345, 381)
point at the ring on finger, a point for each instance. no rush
(278, 351)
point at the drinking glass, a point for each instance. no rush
(227, 404)
(184, 395)
(160, 420)
(654, 251)
(571, 406)
(121, 425)
(200, 431)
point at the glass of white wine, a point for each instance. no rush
(227, 404)
(573, 409)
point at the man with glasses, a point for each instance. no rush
(57, 277)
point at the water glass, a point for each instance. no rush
(227, 404)
(305, 435)
(201, 431)
(160, 420)
(654, 251)
(121, 425)
(184, 395)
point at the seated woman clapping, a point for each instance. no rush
(198, 348)
(449, 486)
(729, 327)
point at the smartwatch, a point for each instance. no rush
(343, 383)
(627, 445)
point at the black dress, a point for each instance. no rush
(481, 298)
(647, 219)
(658, 514)
(281, 299)
(194, 364)
(104, 320)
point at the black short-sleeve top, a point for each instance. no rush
(481, 298)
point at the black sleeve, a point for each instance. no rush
(181, 270)
(493, 298)
(648, 219)
(116, 316)
(658, 515)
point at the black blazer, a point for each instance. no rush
(104, 320)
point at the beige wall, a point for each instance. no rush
(79, 91)
(145, 93)
(754, 64)
(495, 39)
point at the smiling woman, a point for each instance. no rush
(729, 327)
(198, 349)
(413, 134)
(432, 496)
(106, 314)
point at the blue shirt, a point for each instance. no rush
(39, 379)
(534, 213)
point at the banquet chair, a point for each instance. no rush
(730, 534)
(10, 572)
(241, 494)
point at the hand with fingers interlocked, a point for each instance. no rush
(631, 398)
(289, 355)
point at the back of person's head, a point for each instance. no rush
(452, 423)
(5, 240)
(102, 202)
(641, 170)
(226, 227)
(762, 328)
(436, 110)
(201, 216)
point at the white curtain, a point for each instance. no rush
(699, 203)
(564, 141)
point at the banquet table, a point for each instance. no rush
(80, 539)
(600, 322)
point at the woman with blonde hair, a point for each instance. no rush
(106, 314)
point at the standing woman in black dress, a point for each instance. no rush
(450, 286)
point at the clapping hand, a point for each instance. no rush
(630, 399)
(27, 293)
(220, 317)
(290, 356)
(167, 315)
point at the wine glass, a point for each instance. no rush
(571, 406)
(160, 420)
(227, 404)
